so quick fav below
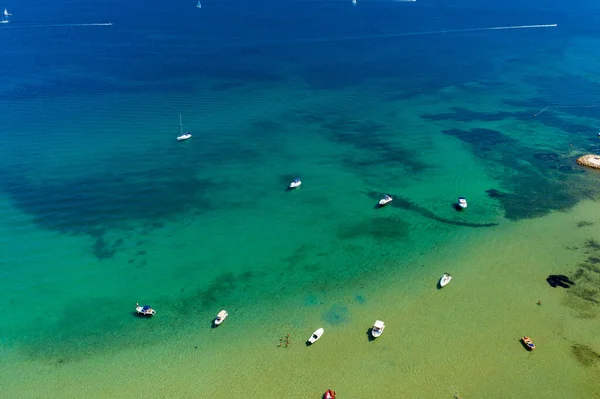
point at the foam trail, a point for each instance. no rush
(395, 35)
(57, 25)
(436, 32)
(541, 111)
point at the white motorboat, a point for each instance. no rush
(221, 317)
(462, 202)
(385, 200)
(296, 183)
(445, 279)
(145, 310)
(377, 328)
(315, 336)
(182, 136)
(353, 2)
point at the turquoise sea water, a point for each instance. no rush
(102, 208)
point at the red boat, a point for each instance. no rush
(329, 394)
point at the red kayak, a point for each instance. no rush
(329, 394)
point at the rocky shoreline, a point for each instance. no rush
(589, 160)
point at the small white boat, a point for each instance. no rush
(221, 317)
(198, 5)
(445, 279)
(316, 335)
(462, 202)
(5, 16)
(296, 183)
(145, 310)
(353, 2)
(385, 200)
(182, 136)
(377, 328)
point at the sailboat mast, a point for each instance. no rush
(180, 125)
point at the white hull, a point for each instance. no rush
(462, 203)
(295, 184)
(145, 312)
(221, 317)
(184, 137)
(316, 335)
(385, 200)
(445, 279)
(377, 329)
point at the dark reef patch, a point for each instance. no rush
(535, 181)
(585, 355)
(336, 315)
(405, 204)
(377, 228)
(103, 249)
(559, 280)
(376, 143)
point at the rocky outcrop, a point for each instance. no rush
(590, 160)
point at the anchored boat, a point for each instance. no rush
(385, 200)
(315, 336)
(528, 343)
(296, 183)
(221, 317)
(377, 329)
(182, 136)
(445, 279)
(145, 310)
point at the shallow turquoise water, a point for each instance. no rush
(102, 208)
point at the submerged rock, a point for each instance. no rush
(559, 280)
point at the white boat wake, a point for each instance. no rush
(433, 32)
(57, 25)
(387, 35)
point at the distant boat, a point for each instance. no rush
(377, 329)
(199, 5)
(296, 183)
(385, 200)
(5, 16)
(353, 2)
(528, 343)
(182, 136)
(145, 310)
(220, 317)
(315, 336)
(462, 202)
(445, 279)
(329, 394)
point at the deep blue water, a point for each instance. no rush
(246, 41)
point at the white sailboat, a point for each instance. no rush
(5, 16)
(199, 5)
(182, 136)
